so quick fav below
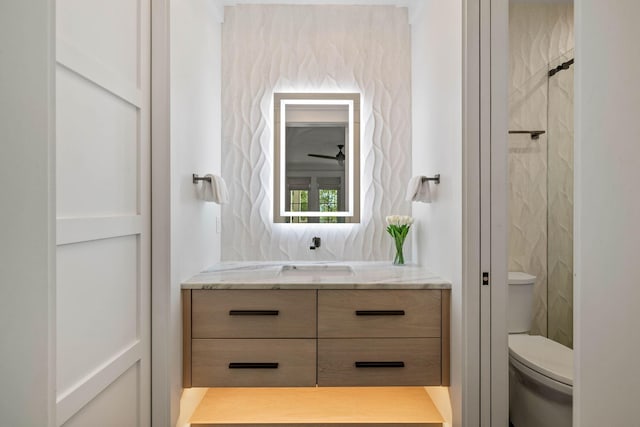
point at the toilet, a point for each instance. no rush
(540, 370)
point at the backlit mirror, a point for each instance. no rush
(317, 157)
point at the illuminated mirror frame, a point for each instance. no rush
(352, 199)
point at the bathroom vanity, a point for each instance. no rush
(275, 325)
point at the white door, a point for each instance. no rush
(103, 213)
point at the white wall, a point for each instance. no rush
(436, 32)
(324, 48)
(607, 238)
(27, 231)
(195, 132)
(193, 241)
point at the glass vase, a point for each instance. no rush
(399, 258)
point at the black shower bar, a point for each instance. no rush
(563, 66)
(535, 134)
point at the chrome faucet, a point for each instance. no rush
(315, 243)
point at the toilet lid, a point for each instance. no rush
(544, 356)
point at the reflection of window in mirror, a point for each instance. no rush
(305, 194)
(298, 198)
(316, 167)
(331, 198)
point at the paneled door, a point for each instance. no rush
(103, 213)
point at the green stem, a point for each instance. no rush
(399, 233)
(399, 258)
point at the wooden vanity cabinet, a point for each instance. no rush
(379, 337)
(234, 313)
(271, 338)
(256, 338)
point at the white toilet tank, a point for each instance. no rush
(520, 302)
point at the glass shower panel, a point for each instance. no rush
(560, 203)
(527, 161)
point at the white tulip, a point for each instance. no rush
(399, 220)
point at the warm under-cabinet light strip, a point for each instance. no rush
(317, 406)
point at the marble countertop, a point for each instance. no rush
(267, 275)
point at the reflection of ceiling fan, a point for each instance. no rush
(338, 157)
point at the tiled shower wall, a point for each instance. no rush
(540, 182)
(284, 48)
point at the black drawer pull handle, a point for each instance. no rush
(379, 312)
(254, 312)
(253, 365)
(379, 364)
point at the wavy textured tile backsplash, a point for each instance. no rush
(541, 172)
(284, 48)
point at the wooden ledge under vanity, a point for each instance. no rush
(317, 406)
(254, 336)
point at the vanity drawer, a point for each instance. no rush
(379, 362)
(379, 313)
(253, 362)
(253, 314)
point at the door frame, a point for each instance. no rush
(485, 113)
(485, 122)
(161, 368)
(498, 206)
(28, 214)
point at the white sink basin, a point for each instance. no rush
(302, 270)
